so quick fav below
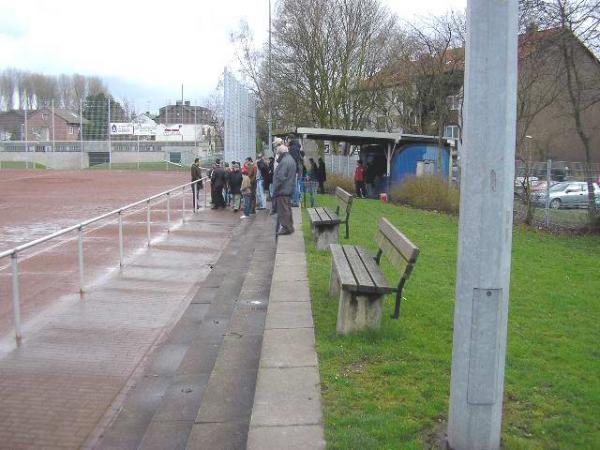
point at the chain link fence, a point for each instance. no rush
(555, 194)
(101, 134)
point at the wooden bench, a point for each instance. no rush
(325, 222)
(360, 283)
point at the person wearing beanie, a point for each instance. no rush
(284, 180)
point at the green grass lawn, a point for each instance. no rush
(20, 165)
(569, 218)
(150, 166)
(389, 389)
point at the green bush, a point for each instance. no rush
(335, 180)
(427, 192)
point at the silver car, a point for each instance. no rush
(568, 194)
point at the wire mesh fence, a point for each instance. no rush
(100, 133)
(556, 194)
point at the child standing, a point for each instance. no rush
(246, 193)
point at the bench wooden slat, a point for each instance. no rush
(363, 280)
(314, 217)
(345, 198)
(319, 215)
(399, 241)
(342, 267)
(324, 216)
(392, 254)
(374, 270)
(332, 215)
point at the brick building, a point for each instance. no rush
(40, 126)
(66, 126)
(552, 131)
(184, 113)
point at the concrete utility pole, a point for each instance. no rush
(485, 227)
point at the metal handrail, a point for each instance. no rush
(14, 252)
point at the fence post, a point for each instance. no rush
(81, 134)
(109, 142)
(148, 221)
(26, 141)
(120, 239)
(183, 204)
(168, 212)
(80, 245)
(547, 206)
(204, 189)
(53, 130)
(16, 297)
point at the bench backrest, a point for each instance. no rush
(396, 247)
(344, 198)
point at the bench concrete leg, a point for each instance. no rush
(334, 281)
(325, 235)
(357, 312)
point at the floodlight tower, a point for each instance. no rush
(270, 84)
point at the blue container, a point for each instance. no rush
(406, 160)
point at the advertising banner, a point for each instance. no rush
(120, 128)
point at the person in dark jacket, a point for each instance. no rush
(269, 180)
(321, 176)
(284, 183)
(235, 185)
(218, 180)
(295, 151)
(370, 175)
(261, 181)
(196, 175)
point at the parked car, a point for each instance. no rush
(568, 194)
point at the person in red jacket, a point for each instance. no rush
(359, 180)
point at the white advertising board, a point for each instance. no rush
(120, 128)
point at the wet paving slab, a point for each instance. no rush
(78, 359)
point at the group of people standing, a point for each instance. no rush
(246, 186)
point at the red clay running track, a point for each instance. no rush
(36, 203)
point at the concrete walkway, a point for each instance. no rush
(197, 389)
(287, 403)
(203, 341)
(75, 360)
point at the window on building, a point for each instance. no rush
(72, 129)
(453, 102)
(44, 116)
(451, 132)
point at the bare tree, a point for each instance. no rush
(79, 89)
(323, 53)
(96, 86)
(578, 23)
(537, 90)
(8, 88)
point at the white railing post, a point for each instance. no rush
(183, 204)
(80, 245)
(195, 198)
(120, 239)
(16, 297)
(168, 212)
(148, 221)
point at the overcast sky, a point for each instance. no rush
(144, 49)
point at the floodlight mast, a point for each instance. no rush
(270, 93)
(485, 226)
